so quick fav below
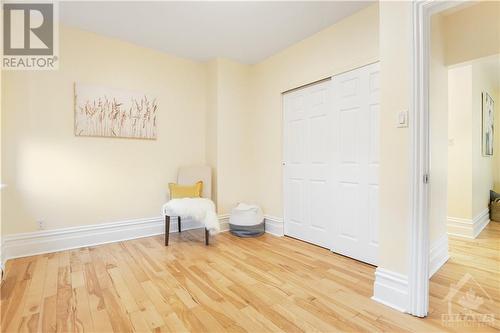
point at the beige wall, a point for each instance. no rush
(232, 111)
(72, 181)
(351, 43)
(471, 175)
(238, 133)
(464, 33)
(485, 77)
(211, 123)
(395, 66)
(396, 36)
(460, 136)
(231, 153)
(438, 106)
(472, 32)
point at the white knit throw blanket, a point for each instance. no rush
(199, 209)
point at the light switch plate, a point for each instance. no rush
(402, 120)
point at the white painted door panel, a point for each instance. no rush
(331, 155)
(355, 180)
(307, 185)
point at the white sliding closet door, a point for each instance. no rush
(355, 177)
(307, 171)
(331, 159)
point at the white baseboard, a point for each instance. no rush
(274, 225)
(224, 222)
(46, 241)
(391, 289)
(438, 254)
(480, 222)
(468, 228)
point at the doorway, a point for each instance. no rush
(425, 141)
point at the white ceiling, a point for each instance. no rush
(243, 31)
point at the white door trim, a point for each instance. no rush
(418, 277)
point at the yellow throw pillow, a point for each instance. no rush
(185, 191)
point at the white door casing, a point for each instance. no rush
(418, 281)
(331, 158)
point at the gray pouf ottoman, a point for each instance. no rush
(246, 221)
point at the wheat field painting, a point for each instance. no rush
(107, 112)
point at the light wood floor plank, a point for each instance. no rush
(265, 284)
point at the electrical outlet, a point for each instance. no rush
(41, 224)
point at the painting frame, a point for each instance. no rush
(487, 124)
(105, 112)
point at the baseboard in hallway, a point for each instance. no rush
(468, 228)
(438, 254)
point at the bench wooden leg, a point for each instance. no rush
(179, 223)
(167, 229)
(207, 235)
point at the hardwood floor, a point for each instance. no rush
(477, 262)
(265, 284)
